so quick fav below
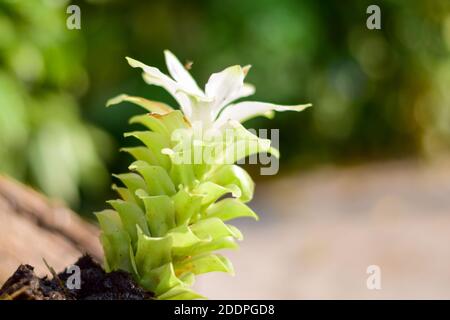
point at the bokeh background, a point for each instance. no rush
(364, 175)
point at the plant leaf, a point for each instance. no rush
(187, 206)
(156, 178)
(156, 142)
(205, 263)
(133, 182)
(160, 213)
(151, 106)
(233, 175)
(142, 153)
(131, 216)
(213, 191)
(124, 193)
(214, 228)
(228, 209)
(151, 252)
(115, 240)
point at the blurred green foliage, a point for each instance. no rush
(376, 93)
(44, 138)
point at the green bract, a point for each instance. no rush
(176, 201)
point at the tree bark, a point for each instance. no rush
(33, 228)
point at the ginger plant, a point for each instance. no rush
(176, 201)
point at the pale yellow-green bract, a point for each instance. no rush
(172, 217)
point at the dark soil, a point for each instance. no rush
(96, 284)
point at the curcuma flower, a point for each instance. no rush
(212, 107)
(172, 216)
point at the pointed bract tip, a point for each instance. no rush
(115, 100)
(246, 69)
(134, 63)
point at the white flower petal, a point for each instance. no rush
(246, 90)
(154, 76)
(249, 109)
(180, 74)
(210, 107)
(200, 108)
(224, 86)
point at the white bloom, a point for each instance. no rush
(212, 106)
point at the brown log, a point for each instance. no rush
(33, 228)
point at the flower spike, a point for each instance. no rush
(174, 207)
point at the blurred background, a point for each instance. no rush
(364, 175)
